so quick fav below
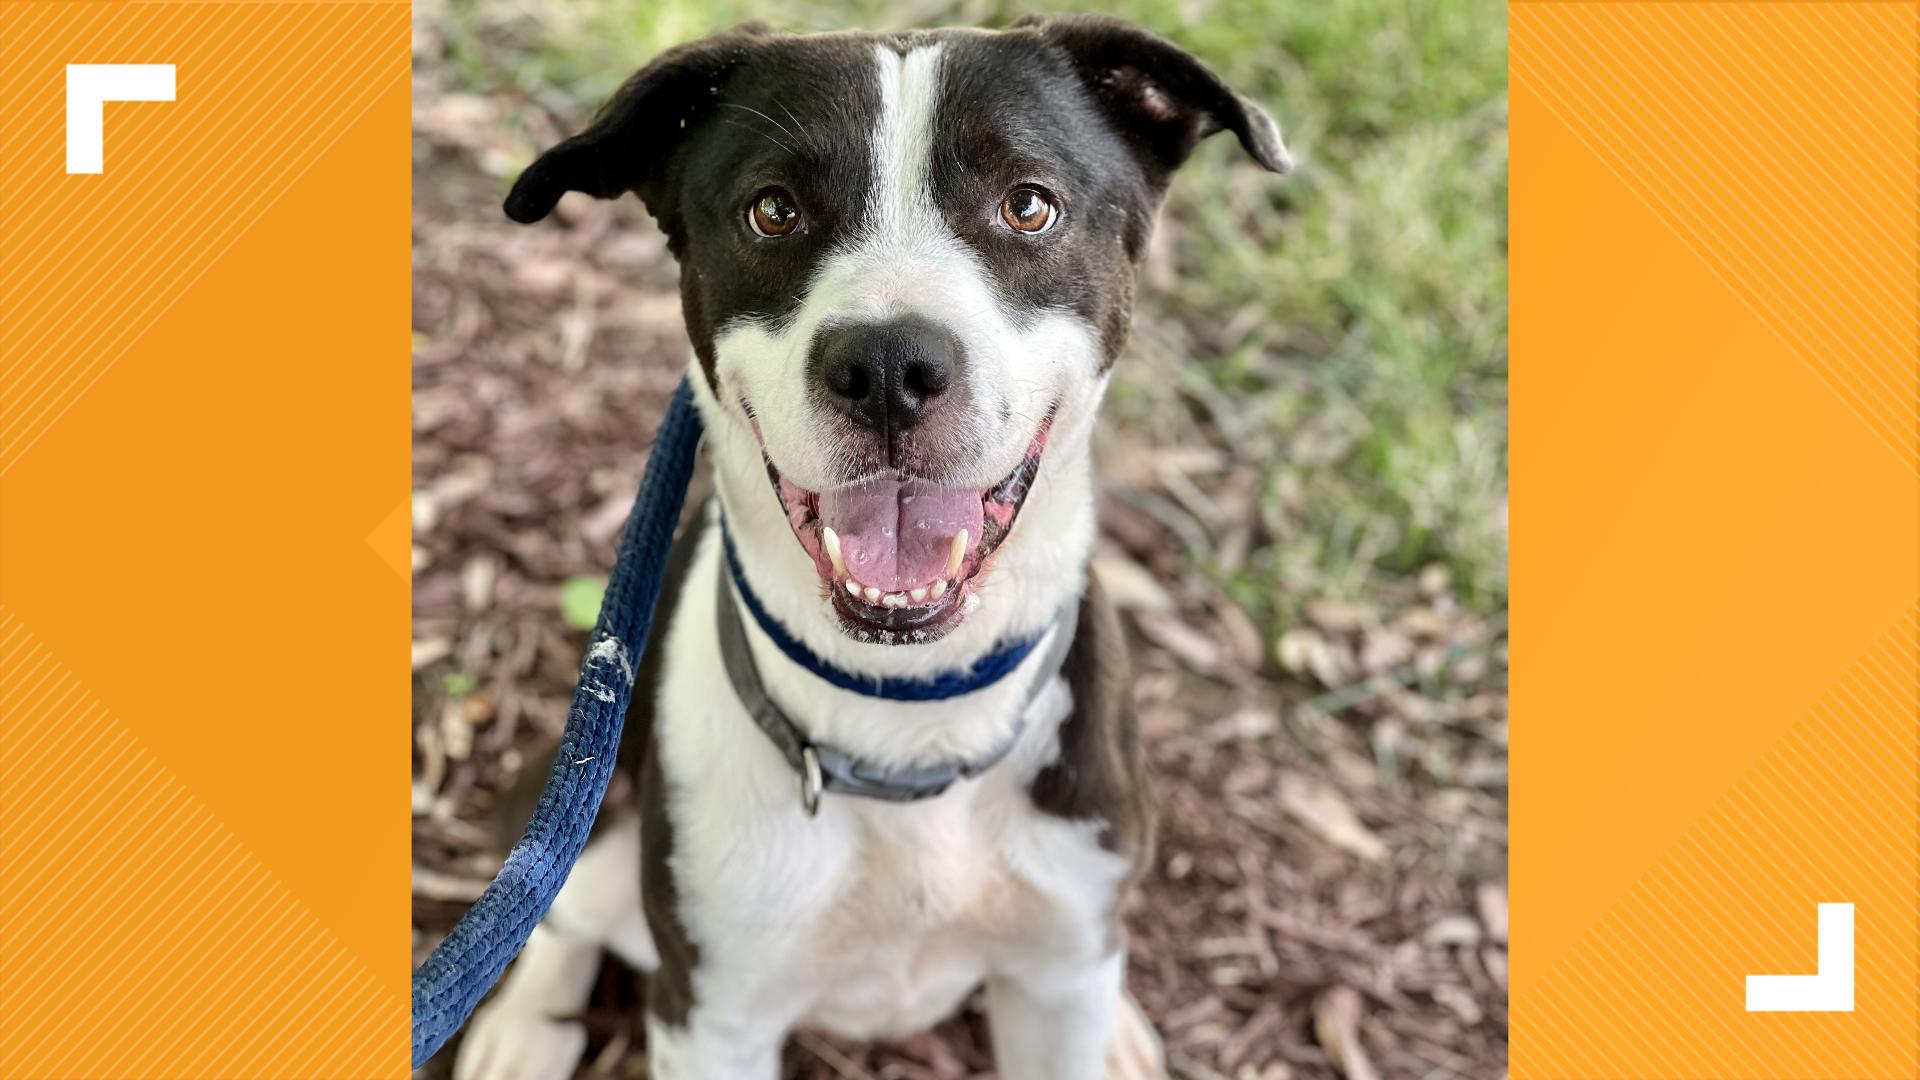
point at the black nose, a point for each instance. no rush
(885, 376)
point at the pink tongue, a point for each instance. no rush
(896, 535)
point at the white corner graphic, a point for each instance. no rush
(1829, 990)
(89, 88)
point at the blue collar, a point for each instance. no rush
(984, 672)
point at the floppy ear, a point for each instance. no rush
(1159, 96)
(630, 145)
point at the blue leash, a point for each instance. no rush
(469, 961)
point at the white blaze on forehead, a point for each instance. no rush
(901, 213)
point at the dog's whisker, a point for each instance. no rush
(790, 116)
(748, 108)
(762, 134)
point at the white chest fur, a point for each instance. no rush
(871, 918)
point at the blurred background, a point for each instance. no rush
(1304, 511)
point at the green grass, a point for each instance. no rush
(1354, 313)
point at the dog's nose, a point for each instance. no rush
(885, 376)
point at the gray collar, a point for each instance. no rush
(823, 768)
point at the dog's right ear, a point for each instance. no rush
(631, 145)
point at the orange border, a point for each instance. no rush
(203, 570)
(1716, 535)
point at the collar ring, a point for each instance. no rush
(810, 781)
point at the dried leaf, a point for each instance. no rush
(429, 651)
(1336, 1023)
(1129, 585)
(1383, 649)
(1459, 1001)
(430, 884)
(476, 581)
(1322, 808)
(1190, 646)
(1338, 616)
(1452, 930)
(1492, 901)
(1303, 651)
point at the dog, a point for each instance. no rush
(883, 745)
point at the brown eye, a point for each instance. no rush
(1028, 210)
(773, 213)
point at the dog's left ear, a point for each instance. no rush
(1160, 97)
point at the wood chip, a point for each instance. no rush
(1452, 930)
(1492, 900)
(1322, 808)
(429, 884)
(1336, 1023)
(1192, 647)
(1129, 585)
(430, 651)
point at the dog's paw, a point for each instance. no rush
(1135, 1053)
(503, 1044)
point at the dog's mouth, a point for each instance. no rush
(901, 558)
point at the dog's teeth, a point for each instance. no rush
(831, 541)
(939, 589)
(918, 595)
(873, 595)
(957, 554)
(853, 588)
(894, 600)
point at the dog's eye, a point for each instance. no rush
(1028, 209)
(773, 213)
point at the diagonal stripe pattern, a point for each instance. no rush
(158, 904)
(1776, 140)
(1777, 145)
(1825, 815)
(95, 260)
(146, 927)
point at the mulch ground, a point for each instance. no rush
(1329, 898)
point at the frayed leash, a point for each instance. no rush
(469, 961)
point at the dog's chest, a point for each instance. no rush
(942, 873)
(873, 918)
(930, 903)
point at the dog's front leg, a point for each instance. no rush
(1055, 1022)
(714, 1043)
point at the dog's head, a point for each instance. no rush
(903, 258)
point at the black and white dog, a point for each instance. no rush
(883, 742)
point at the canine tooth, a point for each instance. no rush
(939, 589)
(957, 554)
(873, 595)
(853, 588)
(918, 595)
(893, 600)
(831, 541)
